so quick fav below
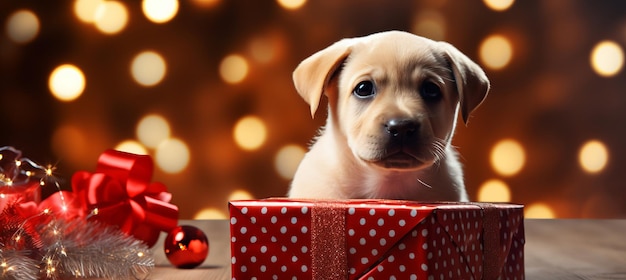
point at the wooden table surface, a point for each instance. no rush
(555, 249)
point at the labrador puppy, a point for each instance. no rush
(393, 101)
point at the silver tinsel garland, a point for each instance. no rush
(89, 249)
(79, 249)
(17, 265)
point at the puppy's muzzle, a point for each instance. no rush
(402, 145)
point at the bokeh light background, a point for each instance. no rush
(204, 87)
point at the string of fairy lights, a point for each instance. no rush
(155, 134)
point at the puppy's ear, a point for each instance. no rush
(471, 82)
(315, 72)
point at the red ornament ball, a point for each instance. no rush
(186, 246)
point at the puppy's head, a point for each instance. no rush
(393, 96)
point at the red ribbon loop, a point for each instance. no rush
(123, 195)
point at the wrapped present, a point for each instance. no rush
(30, 192)
(375, 239)
(18, 184)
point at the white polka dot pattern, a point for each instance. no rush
(271, 239)
(512, 239)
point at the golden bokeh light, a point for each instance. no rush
(210, 214)
(66, 82)
(131, 146)
(233, 69)
(172, 156)
(152, 130)
(430, 24)
(499, 5)
(538, 211)
(291, 4)
(287, 159)
(494, 191)
(593, 156)
(205, 3)
(250, 133)
(496, 52)
(507, 157)
(85, 10)
(111, 17)
(240, 195)
(148, 68)
(607, 58)
(159, 11)
(22, 26)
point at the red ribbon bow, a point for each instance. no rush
(120, 193)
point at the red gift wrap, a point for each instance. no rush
(29, 192)
(375, 239)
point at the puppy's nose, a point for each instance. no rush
(401, 127)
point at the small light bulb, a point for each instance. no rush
(49, 170)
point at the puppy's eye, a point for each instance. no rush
(364, 89)
(430, 91)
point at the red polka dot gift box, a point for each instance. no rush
(375, 239)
